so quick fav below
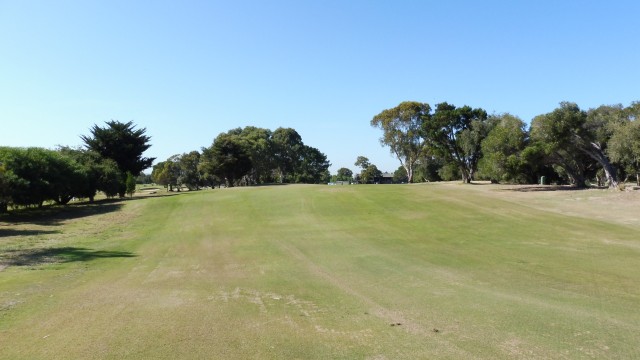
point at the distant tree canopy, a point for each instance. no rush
(344, 174)
(369, 172)
(567, 145)
(246, 156)
(402, 132)
(227, 158)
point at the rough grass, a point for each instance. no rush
(377, 272)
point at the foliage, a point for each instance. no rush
(455, 135)
(401, 127)
(449, 172)
(143, 178)
(572, 141)
(111, 179)
(166, 173)
(427, 168)
(313, 167)
(95, 169)
(227, 158)
(400, 175)
(131, 184)
(188, 165)
(624, 143)
(501, 150)
(287, 149)
(178, 171)
(35, 175)
(258, 156)
(122, 143)
(362, 162)
(258, 143)
(368, 175)
(344, 174)
(4, 189)
(368, 171)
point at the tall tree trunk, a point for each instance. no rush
(610, 174)
(596, 153)
(578, 179)
(466, 177)
(574, 170)
(409, 168)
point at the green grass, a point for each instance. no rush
(353, 272)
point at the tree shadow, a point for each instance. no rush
(51, 215)
(152, 196)
(58, 255)
(25, 232)
(533, 188)
(55, 215)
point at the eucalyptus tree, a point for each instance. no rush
(367, 170)
(568, 134)
(362, 162)
(402, 132)
(455, 134)
(167, 173)
(552, 134)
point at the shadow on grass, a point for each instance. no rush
(548, 188)
(55, 215)
(26, 232)
(58, 255)
(51, 215)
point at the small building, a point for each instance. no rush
(385, 178)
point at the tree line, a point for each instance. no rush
(111, 159)
(569, 145)
(110, 162)
(245, 156)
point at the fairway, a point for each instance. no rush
(327, 272)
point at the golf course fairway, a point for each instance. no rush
(326, 272)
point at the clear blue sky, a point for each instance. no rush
(188, 70)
